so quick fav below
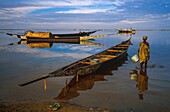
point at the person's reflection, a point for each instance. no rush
(142, 82)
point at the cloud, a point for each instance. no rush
(27, 9)
(64, 3)
(119, 2)
(17, 12)
(132, 21)
(75, 13)
(83, 11)
(86, 6)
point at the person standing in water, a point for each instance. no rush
(144, 52)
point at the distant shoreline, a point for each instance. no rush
(93, 29)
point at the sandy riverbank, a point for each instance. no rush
(44, 107)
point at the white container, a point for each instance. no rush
(94, 60)
(135, 58)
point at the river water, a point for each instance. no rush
(114, 89)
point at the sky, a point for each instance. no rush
(84, 14)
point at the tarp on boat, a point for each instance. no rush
(39, 34)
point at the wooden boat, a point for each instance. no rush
(126, 31)
(90, 64)
(56, 40)
(45, 35)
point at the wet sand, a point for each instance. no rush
(112, 91)
(41, 107)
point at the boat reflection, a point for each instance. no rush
(126, 34)
(48, 44)
(142, 81)
(85, 82)
(45, 85)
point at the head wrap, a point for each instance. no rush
(145, 37)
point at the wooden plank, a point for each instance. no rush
(113, 50)
(124, 45)
(121, 47)
(107, 56)
(104, 59)
(89, 63)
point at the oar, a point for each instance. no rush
(35, 80)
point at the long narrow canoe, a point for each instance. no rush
(45, 35)
(90, 64)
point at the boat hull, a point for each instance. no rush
(56, 40)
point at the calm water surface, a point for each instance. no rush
(114, 89)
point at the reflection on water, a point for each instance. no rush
(45, 85)
(85, 82)
(48, 44)
(119, 90)
(142, 81)
(126, 34)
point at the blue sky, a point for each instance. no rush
(74, 14)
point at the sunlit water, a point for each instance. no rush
(20, 63)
